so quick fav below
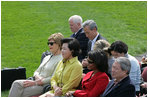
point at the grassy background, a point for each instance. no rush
(26, 25)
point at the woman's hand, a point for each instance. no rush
(29, 83)
(38, 77)
(47, 94)
(39, 82)
(58, 91)
(69, 94)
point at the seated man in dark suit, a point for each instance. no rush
(120, 49)
(121, 86)
(90, 29)
(75, 23)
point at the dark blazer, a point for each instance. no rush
(83, 40)
(89, 42)
(124, 88)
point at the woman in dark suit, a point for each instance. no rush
(95, 82)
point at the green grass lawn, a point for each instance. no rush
(26, 25)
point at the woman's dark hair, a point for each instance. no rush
(73, 45)
(118, 46)
(100, 59)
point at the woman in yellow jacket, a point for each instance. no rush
(68, 72)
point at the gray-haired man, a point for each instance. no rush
(90, 29)
(75, 23)
(121, 85)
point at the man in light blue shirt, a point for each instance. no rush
(120, 49)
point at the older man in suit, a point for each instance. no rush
(75, 23)
(90, 29)
(121, 86)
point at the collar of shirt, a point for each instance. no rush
(117, 82)
(71, 60)
(126, 55)
(93, 41)
(77, 31)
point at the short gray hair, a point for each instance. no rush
(76, 19)
(91, 23)
(124, 64)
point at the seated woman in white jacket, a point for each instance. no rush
(42, 76)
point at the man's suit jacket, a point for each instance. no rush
(89, 42)
(124, 88)
(83, 40)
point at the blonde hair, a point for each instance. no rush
(57, 37)
(102, 45)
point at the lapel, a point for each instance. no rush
(73, 35)
(99, 37)
(78, 33)
(87, 76)
(89, 45)
(109, 88)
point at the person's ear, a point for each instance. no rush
(95, 29)
(125, 72)
(72, 51)
(78, 24)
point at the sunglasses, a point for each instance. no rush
(89, 61)
(50, 43)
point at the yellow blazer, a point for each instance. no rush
(68, 75)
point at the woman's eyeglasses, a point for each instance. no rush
(50, 43)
